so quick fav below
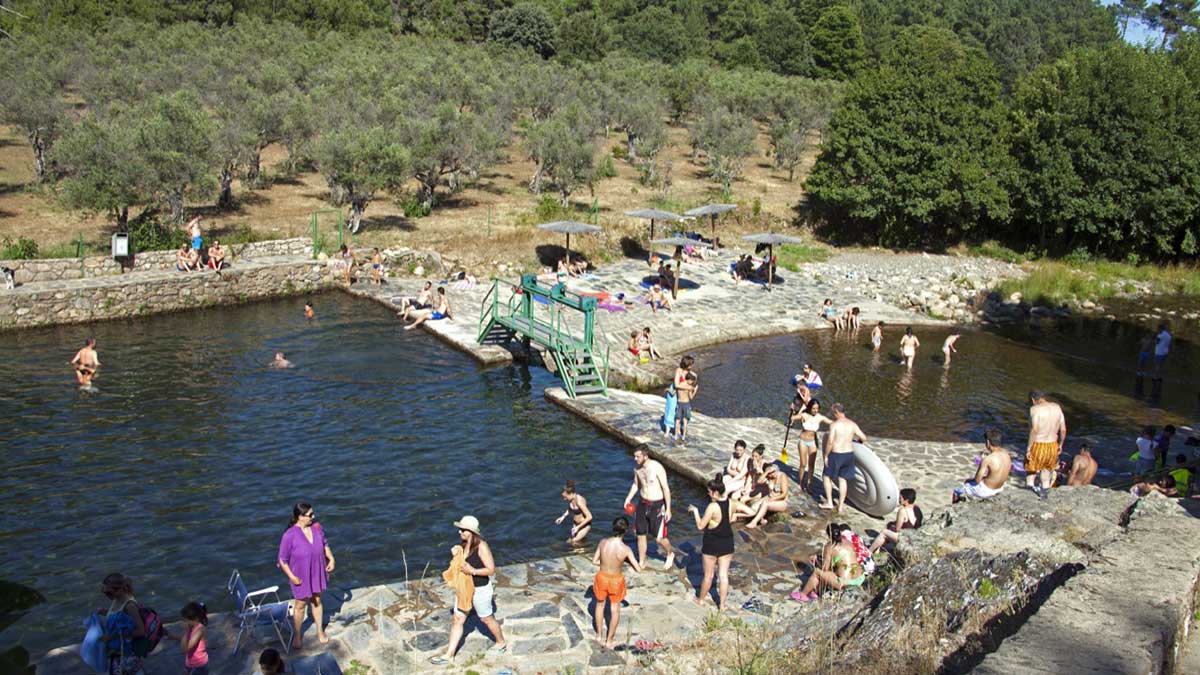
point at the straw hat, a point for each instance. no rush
(468, 523)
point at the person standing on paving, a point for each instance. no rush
(653, 510)
(609, 583)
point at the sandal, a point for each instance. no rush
(499, 649)
(440, 661)
(798, 596)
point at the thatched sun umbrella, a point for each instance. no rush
(713, 210)
(772, 240)
(654, 215)
(569, 227)
(680, 242)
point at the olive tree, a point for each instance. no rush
(99, 171)
(362, 161)
(727, 139)
(33, 81)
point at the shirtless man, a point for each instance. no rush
(839, 456)
(280, 362)
(440, 310)
(86, 363)
(948, 347)
(216, 256)
(992, 474)
(609, 583)
(654, 506)
(409, 305)
(908, 347)
(1047, 433)
(308, 311)
(685, 389)
(1083, 467)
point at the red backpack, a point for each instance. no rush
(155, 632)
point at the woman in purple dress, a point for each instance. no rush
(305, 558)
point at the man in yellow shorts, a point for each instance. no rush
(609, 584)
(1047, 433)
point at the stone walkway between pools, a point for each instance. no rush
(714, 312)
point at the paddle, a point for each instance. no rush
(783, 454)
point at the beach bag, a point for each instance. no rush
(155, 632)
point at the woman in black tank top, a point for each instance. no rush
(717, 547)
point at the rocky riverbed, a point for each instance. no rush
(940, 286)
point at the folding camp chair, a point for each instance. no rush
(253, 611)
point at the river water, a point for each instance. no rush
(185, 463)
(1087, 366)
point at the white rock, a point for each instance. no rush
(1015, 297)
(418, 271)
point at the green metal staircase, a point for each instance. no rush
(582, 369)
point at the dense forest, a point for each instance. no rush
(937, 121)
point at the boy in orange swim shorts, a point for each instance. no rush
(609, 584)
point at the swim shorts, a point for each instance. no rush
(197, 242)
(976, 490)
(437, 315)
(684, 411)
(840, 465)
(1043, 456)
(1143, 358)
(876, 342)
(649, 519)
(1159, 358)
(607, 586)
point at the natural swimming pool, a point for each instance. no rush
(1087, 366)
(185, 463)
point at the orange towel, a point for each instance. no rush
(462, 583)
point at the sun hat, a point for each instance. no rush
(468, 523)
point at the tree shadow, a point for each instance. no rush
(293, 180)
(7, 214)
(549, 254)
(11, 188)
(632, 248)
(391, 222)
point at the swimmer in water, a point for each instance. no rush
(308, 311)
(877, 337)
(908, 347)
(86, 363)
(948, 347)
(280, 362)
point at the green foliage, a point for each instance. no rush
(782, 42)
(147, 233)
(727, 138)
(839, 48)
(525, 26)
(996, 250)
(606, 169)
(916, 156)
(413, 207)
(1080, 185)
(21, 249)
(564, 147)
(654, 33)
(244, 234)
(584, 36)
(792, 256)
(363, 162)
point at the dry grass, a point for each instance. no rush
(486, 223)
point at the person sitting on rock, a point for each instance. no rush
(838, 568)
(992, 474)
(216, 256)
(908, 517)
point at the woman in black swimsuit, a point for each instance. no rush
(717, 547)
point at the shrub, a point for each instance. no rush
(606, 169)
(244, 234)
(148, 234)
(22, 249)
(414, 207)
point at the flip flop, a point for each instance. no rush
(647, 646)
(440, 661)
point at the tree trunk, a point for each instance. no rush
(337, 192)
(358, 204)
(38, 143)
(175, 200)
(123, 219)
(632, 154)
(535, 183)
(254, 172)
(791, 172)
(225, 197)
(428, 188)
(564, 196)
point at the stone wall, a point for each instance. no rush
(113, 297)
(59, 269)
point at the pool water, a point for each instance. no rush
(1087, 367)
(187, 460)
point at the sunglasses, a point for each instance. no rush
(310, 514)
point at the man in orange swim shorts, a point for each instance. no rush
(1047, 433)
(609, 584)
